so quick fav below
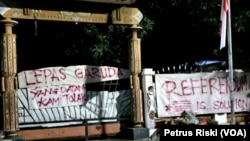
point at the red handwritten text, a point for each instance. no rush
(70, 75)
(95, 72)
(192, 86)
(239, 103)
(45, 75)
(56, 96)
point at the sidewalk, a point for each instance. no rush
(146, 139)
(154, 136)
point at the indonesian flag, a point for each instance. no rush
(223, 18)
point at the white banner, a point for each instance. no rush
(69, 75)
(201, 93)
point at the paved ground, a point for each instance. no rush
(100, 139)
(154, 136)
(146, 139)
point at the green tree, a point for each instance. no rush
(187, 29)
(108, 44)
(196, 23)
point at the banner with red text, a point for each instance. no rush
(81, 74)
(201, 93)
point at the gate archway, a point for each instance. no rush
(11, 15)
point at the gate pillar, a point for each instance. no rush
(9, 80)
(135, 71)
(137, 131)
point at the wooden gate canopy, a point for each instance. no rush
(123, 15)
(99, 6)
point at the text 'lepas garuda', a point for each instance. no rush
(69, 75)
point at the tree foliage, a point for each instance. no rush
(173, 31)
(196, 25)
(107, 44)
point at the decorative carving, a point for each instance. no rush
(66, 16)
(126, 15)
(123, 15)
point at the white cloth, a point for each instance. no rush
(151, 104)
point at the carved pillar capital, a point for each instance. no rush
(8, 24)
(135, 29)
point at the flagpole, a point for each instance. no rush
(230, 64)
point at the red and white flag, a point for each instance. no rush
(223, 18)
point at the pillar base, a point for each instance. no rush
(137, 133)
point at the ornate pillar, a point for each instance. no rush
(135, 70)
(9, 80)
